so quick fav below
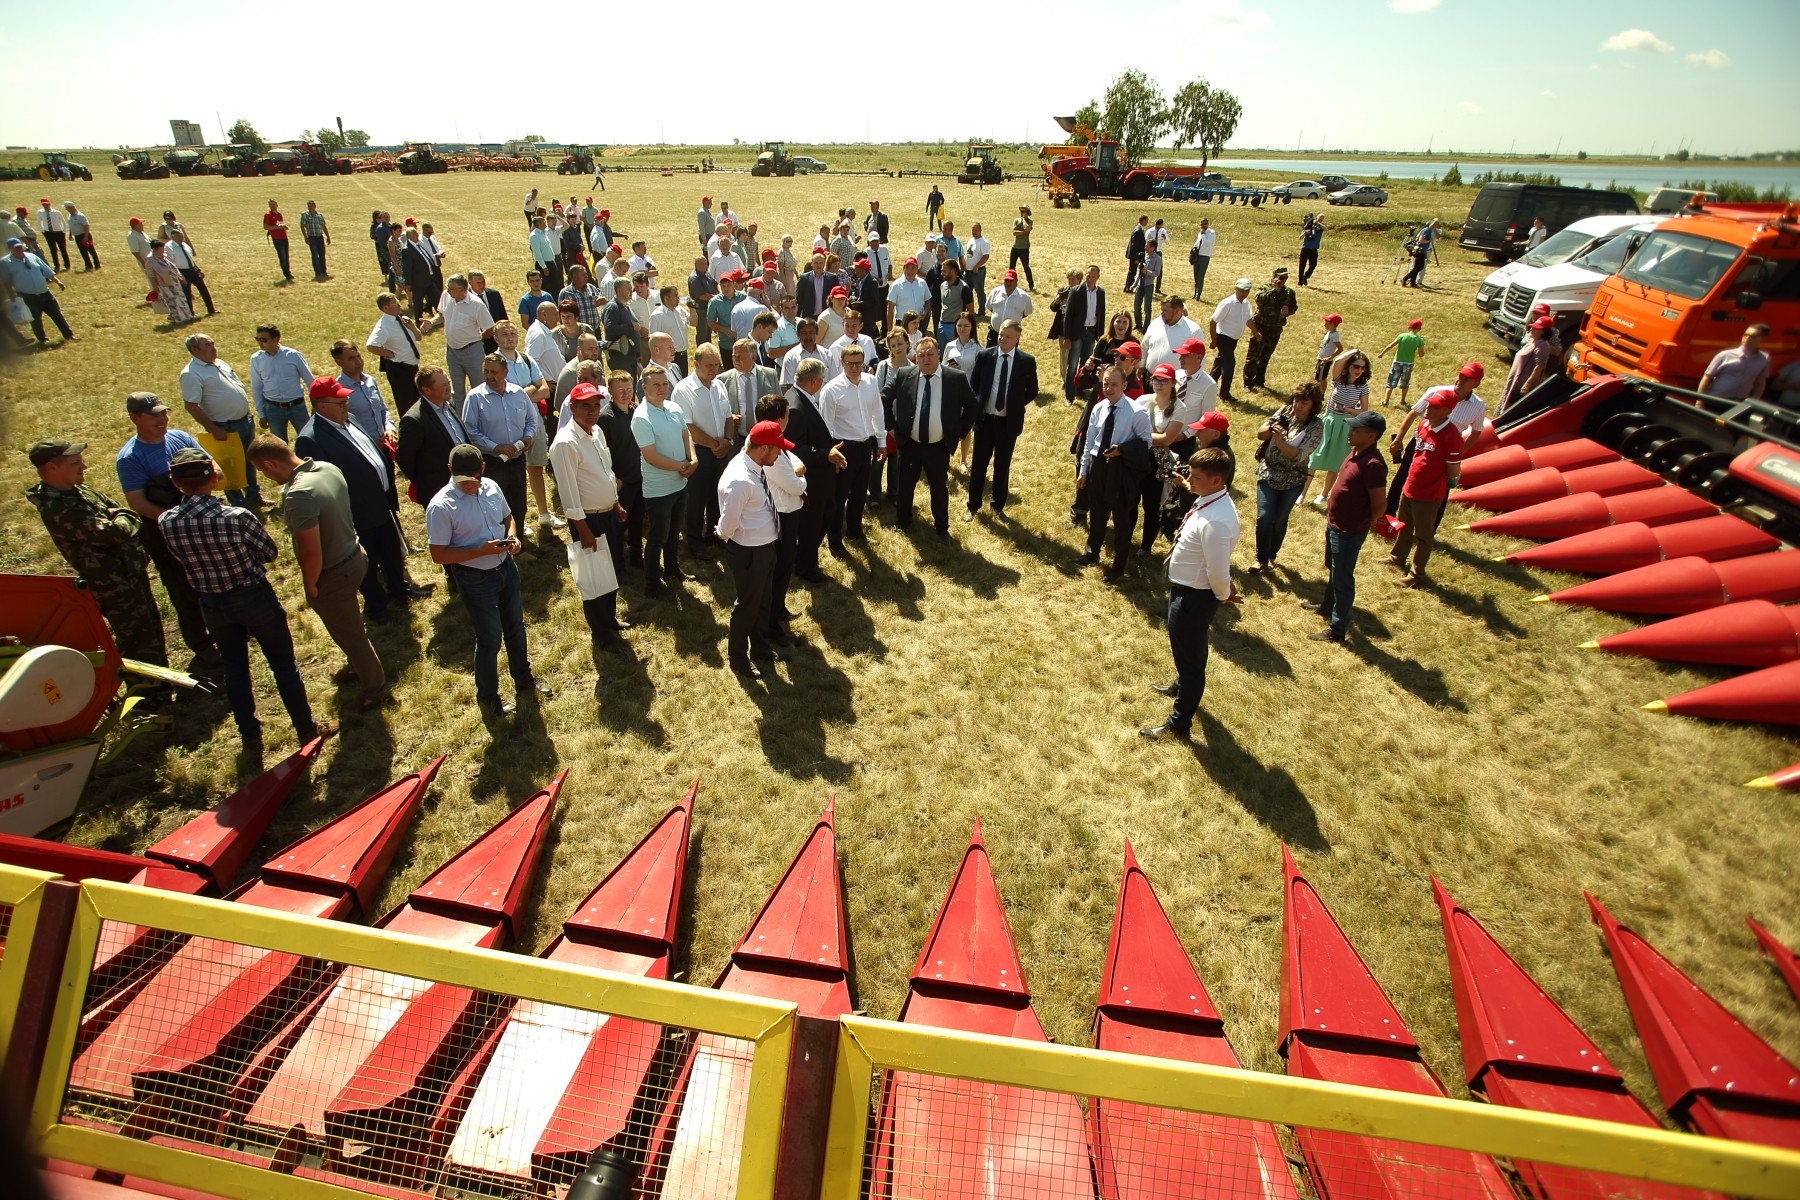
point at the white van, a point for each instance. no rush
(1567, 287)
(1670, 200)
(1579, 238)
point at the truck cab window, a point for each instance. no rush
(1680, 264)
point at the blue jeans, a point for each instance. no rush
(233, 618)
(245, 428)
(1273, 506)
(286, 420)
(281, 256)
(316, 245)
(498, 614)
(1341, 550)
(1082, 347)
(977, 279)
(1144, 303)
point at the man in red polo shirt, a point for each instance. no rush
(1436, 463)
(276, 230)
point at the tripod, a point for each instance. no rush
(1401, 256)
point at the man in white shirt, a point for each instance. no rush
(394, 341)
(541, 344)
(881, 263)
(707, 406)
(1163, 339)
(588, 491)
(976, 253)
(465, 320)
(743, 314)
(786, 477)
(1008, 302)
(640, 260)
(671, 318)
(218, 402)
(851, 406)
(55, 228)
(1199, 581)
(1230, 318)
(852, 334)
(1196, 393)
(909, 293)
(750, 528)
(807, 346)
(1200, 255)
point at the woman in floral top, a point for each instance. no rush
(1349, 396)
(1288, 439)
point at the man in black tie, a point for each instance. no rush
(928, 408)
(823, 456)
(1005, 382)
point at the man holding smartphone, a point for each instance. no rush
(470, 529)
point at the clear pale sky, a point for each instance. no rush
(1719, 76)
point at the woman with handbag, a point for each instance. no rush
(165, 279)
(1284, 443)
(1349, 396)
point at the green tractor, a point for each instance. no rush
(238, 162)
(576, 160)
(421, 159)
(61, 167)
(981, 165)
(774, 160)
(189, 161)
(137, 164)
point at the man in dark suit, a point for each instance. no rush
(875, 222)
(1005, 383)
(429, 430)
(870, 299)
(928, 408)
(1084, 323)
(813, 289)
(1134, 251)
(330, 437)
(823, 456)
(423, 276)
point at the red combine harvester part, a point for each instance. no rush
(1685, 585)
(1750, 633)
(1531, 488)
(1714, 1075)
(173, 1042)
(1770, 696)
(550, 1085)
(1505, 461)
(1153, 1003)
(796, 950)
(378, 1042)
(1625, 547)
(1024, 1143)
(1785, 780)
(1338, 1025)
(1521, 1049)
(1785, 960)
(1587, 511)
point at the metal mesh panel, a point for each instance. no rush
(935, 1138)
(6, 911)
(393, 1084)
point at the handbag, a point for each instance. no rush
(592, 569)
(17, 312)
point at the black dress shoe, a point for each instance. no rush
(837, 551)
(810, 576)
(745, 669)
(418, 591)
(1164, 689)
(678, 576)
(1165, 730)
(1088, 559)
(497, 708)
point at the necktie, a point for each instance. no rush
(407, 334)
(769, 496)
(925, 412)
(454, 423)
(1000, 393)
(1106, 428)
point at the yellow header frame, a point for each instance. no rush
(768, 1024)
(865, 1045)
(23, 890)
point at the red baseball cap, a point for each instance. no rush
(325, 388)
(862, 262)
(755, 283)
(705, 199)
(1130, 350)
(1334, 319)
(588, 199)
(1544, 323)
(1211, 420)
(1192, 346)
(838, 291)
(1415, 323)
(1012, 275)
(1472, 370)
(1165, 371)
(913, 262)
(1440, 397)
(140, 221)
(615, 248)
(605, 212)
(1540, 310)
(768, 433)
(43, 200)
(584, 391)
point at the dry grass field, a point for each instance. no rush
(1460, 733)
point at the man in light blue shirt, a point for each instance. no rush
(29, 277)
(660, 430)
(1111, 489)
(369, 412)
(279, 379)
(470, 530)
(543, 253)
(503, 422)
(909, 293)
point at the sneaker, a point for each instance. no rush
(551, 521)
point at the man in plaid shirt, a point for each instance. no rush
(317, 234)
(223, 550)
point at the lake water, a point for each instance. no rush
(1641, 178)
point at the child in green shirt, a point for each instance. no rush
(1408, 348)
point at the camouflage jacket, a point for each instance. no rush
(1274, 305)
(92, 532)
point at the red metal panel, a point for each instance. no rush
(1769, 696)
(73, 863)
(58, 610)
(355, 850)
(638, 898)
(1547, 483)
(1750, 633)
(803, 921)
(1786, 961)
(1147, 970)
(1772, 468)
(1587, 511)
(1623, 547)
(1325, 985)
(1569, 455)
(1684, 585)
(217, 842)
(1504, 1016)
(1785, 780)
(1708, 1065)
(1564, 421)
(490, 878)
(970, 944)
(123, 948)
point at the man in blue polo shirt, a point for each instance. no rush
(143, 465)
(29, 277)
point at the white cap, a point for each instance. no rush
(1244, 284)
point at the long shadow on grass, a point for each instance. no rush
(519, 759)
(874, 578)
(689, 613)
(962, 566)
(624, 693)
(1484, 609)
(1058, 555)
(1427, 683)
(797, 700)
(843, 619)
(1267, 793)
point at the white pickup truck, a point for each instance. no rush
(1567, 287)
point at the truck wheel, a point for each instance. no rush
(1085, 184)
(1136, 188)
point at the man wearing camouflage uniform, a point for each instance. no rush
(100, 540)
(1273, 305)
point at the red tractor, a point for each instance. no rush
(1103, 170)
(315, 159)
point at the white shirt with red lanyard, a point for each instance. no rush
(1201, 558)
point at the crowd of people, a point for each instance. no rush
(755, 409)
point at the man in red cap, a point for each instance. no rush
(751, 528)
(1531, 364)
(1436, 463)
(1469, 416)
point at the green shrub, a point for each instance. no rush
(1736, 192)
(1452, 177)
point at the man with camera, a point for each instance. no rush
(1199, 581)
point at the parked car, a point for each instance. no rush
(805, 164)
(1333, 183)
(1573, 242)
(1360, 194)
(1567, 287)
(1499, 222)
(1300, 189)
